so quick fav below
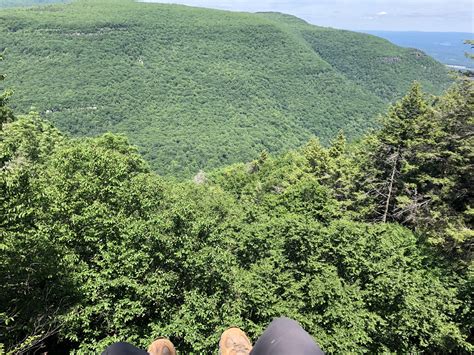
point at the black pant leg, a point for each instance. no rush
(123, 349)
(284, 336)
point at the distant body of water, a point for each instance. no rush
(446, 47)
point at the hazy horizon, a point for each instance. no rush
(381, 15)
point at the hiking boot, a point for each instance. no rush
(234, 342)
(162, 346)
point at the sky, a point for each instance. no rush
(388, 15)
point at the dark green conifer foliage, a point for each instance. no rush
(338, 145)
(393, 157)
(318, 158)
(422, 161)
(6, 114)
(448, 160)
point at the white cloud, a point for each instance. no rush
(382, 13)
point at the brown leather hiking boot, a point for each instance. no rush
(234, 342)
(162, 346)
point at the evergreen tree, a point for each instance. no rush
(318, 159)
(422, 163)
(338, 145)
(6, 114)
(452, 168)
(394, 158)
(344, 173)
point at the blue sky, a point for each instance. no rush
(391, 15)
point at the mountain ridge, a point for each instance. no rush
(197, 88)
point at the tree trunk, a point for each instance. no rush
(390, 186)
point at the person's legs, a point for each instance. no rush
(160, 346)
(123, 349)
(285, 336)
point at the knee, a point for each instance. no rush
(285, 322)
(120, 348)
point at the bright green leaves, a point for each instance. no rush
(99, 249)
(36, 277)
(67, 206)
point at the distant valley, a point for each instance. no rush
(446, 47)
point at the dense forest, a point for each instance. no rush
(368, 245)
(197, 88)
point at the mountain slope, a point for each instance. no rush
(198, 88)
(372, 62)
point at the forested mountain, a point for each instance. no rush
(197, 88)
